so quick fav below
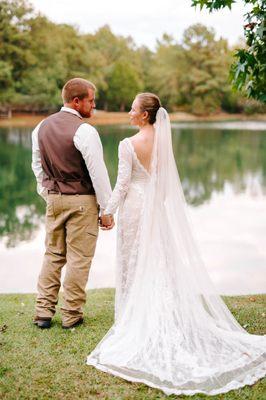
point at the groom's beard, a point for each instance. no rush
(86, 114)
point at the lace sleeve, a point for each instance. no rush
(123, 177)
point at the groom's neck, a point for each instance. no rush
(70, 105)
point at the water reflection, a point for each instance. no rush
(207, 159)
(223, 173)
(20, 208)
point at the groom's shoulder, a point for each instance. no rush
(85, 126)
(51, 117)
(47, 120)
(87, 132)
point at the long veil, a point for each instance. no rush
(172, 330)
(165, 215)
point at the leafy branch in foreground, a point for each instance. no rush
(248, 73)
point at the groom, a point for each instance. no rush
(67, 160)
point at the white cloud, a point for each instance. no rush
(146, 20)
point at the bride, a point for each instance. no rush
(172, 331)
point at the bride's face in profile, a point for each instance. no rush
(137, 117)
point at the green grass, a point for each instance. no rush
(50, 364)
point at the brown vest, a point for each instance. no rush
(64, 168)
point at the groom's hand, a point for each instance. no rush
(106, 222)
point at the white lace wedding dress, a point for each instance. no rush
(172, 331)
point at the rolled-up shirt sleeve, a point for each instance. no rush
(88, 142)
(36, 163)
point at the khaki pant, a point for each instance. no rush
(71, 235)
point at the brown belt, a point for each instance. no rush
(77, 194)
(53, 192)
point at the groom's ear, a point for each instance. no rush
(76, 102)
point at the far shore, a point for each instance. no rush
(113, 118)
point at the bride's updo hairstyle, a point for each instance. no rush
(151, 103)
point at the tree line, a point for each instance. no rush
(38, 56)
(248, 72)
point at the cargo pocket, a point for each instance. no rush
(92, 231)
(49, 214)
(49, 210)
(91, 239)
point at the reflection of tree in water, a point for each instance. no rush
(110, 137)
(206, 160)
(20, 207)
(209, 159)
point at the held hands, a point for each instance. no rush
(106, 222)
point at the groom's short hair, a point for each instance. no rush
(76, 87)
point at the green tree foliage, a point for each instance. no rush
(118, 58)
(193, 74)
(207, 61)
(249, 70)
(38, 56)
(123, 84)
(15, 54)
(167, 70)
(59, 54)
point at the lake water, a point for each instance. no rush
(222, 167)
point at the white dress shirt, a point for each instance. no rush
(88, 142)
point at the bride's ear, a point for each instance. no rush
(145, 115)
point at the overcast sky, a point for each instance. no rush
(144, 20)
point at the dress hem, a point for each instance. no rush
(237, 385)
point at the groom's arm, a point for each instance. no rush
(88, 142)
(36, 164)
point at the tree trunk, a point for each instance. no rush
(122, 107)
(9, 113)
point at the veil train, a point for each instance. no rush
(173, 331)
